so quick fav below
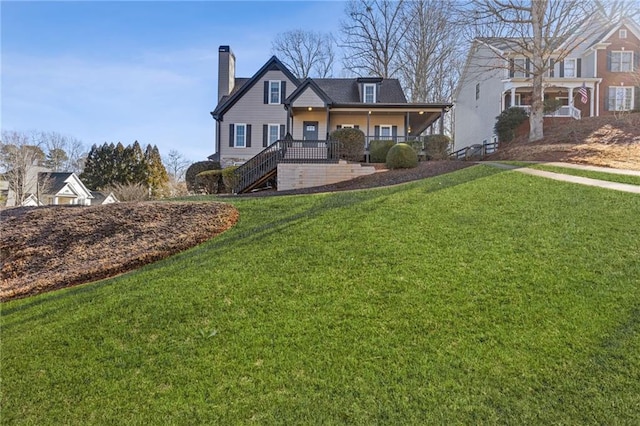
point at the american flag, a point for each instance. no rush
(583, 93)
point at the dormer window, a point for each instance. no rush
(369, 96)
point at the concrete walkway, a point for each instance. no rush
(624, 187)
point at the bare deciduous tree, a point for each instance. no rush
(372, 34)
(19, 163)
(430, 51)
(305, 53)
(176, 165)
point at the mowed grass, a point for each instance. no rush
(481, 296)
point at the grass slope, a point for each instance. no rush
(482, 296)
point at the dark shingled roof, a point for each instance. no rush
(346, 91)
(53, 181)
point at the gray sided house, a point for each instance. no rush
(254, 114)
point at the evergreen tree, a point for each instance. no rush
(138, 164)
(56, 159)
(90, 175)
(157, 177)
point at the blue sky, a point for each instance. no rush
(146, 71)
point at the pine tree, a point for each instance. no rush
(90, 175)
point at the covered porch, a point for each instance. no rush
(567, 93)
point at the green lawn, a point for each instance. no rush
(611, 177)
(482, 296)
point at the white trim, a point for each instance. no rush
(623, 99)
(269, 127)
(575, 67)
(365, 86)
(271, 100)
(235, 135)
(347, 126)
(386, 126)
(622, 52)
(622, 33)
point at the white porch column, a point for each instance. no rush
(513, 96)
(570, 96)
(502, 101)
(591, 101)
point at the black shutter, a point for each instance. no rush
(339, 127)
(356, 127)
(265, 135)
(283, 91)
(528, 66)
(561, 69)
(376, 131)
(377, 92)
(608, 61)
(394, 133)
(248, 136)
(578, 67)
(636, 64)
(636, 97)
(512, 68)
(282, 131)
(266, 92)
(231, 135)
(552, 63)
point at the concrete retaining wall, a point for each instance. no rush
(297, 176)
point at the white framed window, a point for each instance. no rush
(517, 101)
(274, 133)
(564, 100)
(240, 136)
(622, 33)
(620, 98)
(519, 67)
(370, 93)
(622, 61)
(386, 131)
(570, 68)
(347, 126)
(274, 92)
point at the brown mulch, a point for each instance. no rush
(46, 248)
(608, 141)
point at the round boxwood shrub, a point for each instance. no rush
(507, 123)
(401, 156)
(210, 181)
(351, 143)
(378, 150)
(194, 169)
(437, 147)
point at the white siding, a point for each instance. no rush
(474, 119)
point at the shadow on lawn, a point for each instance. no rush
(325, 203)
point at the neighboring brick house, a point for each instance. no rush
(253, 113)
(604, 64)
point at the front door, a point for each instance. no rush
(310, 130)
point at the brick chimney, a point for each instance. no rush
(226, 71)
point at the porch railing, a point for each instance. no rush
(264, 165)
(563, 111)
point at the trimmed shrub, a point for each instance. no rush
(378, 150)
(210, 181)
(507, 123)
(194, 169)
(402, 156)
(229, 178)
(437, 147)
(351, 143)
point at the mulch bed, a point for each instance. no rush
(46, 248)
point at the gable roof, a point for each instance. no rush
(308, 83)
(272, 64)
(100, 197)
(624, 22)
(56, 181)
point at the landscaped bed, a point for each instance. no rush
(480, 296)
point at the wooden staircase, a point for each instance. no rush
(264, 166)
